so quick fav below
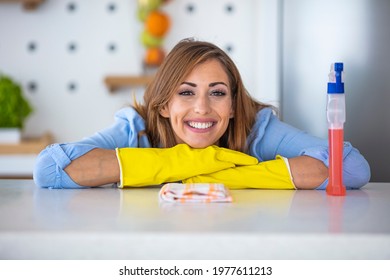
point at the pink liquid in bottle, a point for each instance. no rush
(335, 185)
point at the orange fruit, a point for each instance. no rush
(154, 56)
(157, 23)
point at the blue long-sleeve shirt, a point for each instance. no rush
(269, 137)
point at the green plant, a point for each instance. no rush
(14, 108)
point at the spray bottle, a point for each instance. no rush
(335, 113)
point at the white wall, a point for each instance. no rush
(316, 34)
(356, 32)
(66, 86)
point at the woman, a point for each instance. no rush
(197, 124)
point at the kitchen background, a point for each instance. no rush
(62, 51)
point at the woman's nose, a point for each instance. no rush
(202, 105)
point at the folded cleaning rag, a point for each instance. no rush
(195, 192)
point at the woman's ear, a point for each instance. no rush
(164, 112)
(231, 116)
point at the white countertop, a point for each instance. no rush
(111, 223)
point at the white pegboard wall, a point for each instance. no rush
(61, 52)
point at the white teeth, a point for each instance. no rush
(200, 125)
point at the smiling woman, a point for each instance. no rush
(197, 124)
(190, 72)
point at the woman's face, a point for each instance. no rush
(200, 109)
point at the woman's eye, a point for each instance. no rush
(186, 92)
(218, 93)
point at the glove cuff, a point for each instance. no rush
(288, 168)
(120, 168)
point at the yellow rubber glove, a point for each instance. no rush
(154, 166)
(272, 174)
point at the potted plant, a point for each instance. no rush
(14, 109)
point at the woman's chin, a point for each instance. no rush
(200, 145)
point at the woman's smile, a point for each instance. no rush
(200, 126)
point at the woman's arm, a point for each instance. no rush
(307, 172)
(91, 160)
(95, 168)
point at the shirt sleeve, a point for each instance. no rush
(51, 162)
(271, 137)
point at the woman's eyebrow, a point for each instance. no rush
(217, 83)
(210, 85)
(188, 83)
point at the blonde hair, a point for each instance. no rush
(178, 64)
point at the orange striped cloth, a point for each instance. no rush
(194, 192)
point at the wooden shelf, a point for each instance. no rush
(27, 146)
(27, 4)
(115, 82)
